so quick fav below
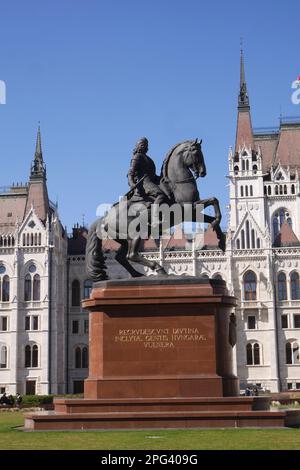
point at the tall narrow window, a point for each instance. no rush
(27, 356)
(246, 191)
(250, 286)
(78, 358)
(249, 354)
(252, 238)
(27, 294)
(251, 190)
(247, 234)
(3, 357)
(35, 355)
(256, 354)
(243, 239)
(85, 357)
(242, 191)
(75, 293)
(295, 290)
(5, 289)
(36, 287)
(282, 290)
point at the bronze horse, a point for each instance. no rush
(183, 164)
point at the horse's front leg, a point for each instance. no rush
(213, 201)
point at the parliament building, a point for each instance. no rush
(43, 328)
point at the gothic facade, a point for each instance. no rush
(43, 328)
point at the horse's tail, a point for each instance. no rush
(94, 258)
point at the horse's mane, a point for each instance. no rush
(164, 168)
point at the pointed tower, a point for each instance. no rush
(246, 177)
(37, 191)
(244, 134)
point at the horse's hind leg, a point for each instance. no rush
(135, 256)
(121, 257)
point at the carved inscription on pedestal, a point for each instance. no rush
(159, 338)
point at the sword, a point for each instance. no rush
(135, 186)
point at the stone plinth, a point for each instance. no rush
(160, 338)
(160, 357)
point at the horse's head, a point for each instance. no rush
(194, 158)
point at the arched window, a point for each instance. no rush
(242, 191)
(251, 190)
(253, 354)
(35, 356)
(255, 169)
(87, 288)
(276, 190)
(238, 244)
(280, 189)
(36, 287)
(285, 189)
(282, 290)
(76, 293)
(250, 286)
(27, 356)
(85, 357)
(295, 290)
(269, 191)
(256, 353)
(5, 289)
(27, 290)
(243, 165)
(247, 165)
(31, 355)
(236, 170)
(78, 358)
(257, 243)
(249, 354)
(292, 352)
(3, 357)
(246, 191)
(293, 189)
(40, 238)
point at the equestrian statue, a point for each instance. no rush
(141, 207)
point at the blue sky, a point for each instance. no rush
(100, 74)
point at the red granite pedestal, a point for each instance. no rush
(160, 356)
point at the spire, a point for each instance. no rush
(243, 95)
(38, 146)
(37, 190)
(38, 169)
(244, 134)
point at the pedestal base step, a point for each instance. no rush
(118, 405)
(152, 420)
